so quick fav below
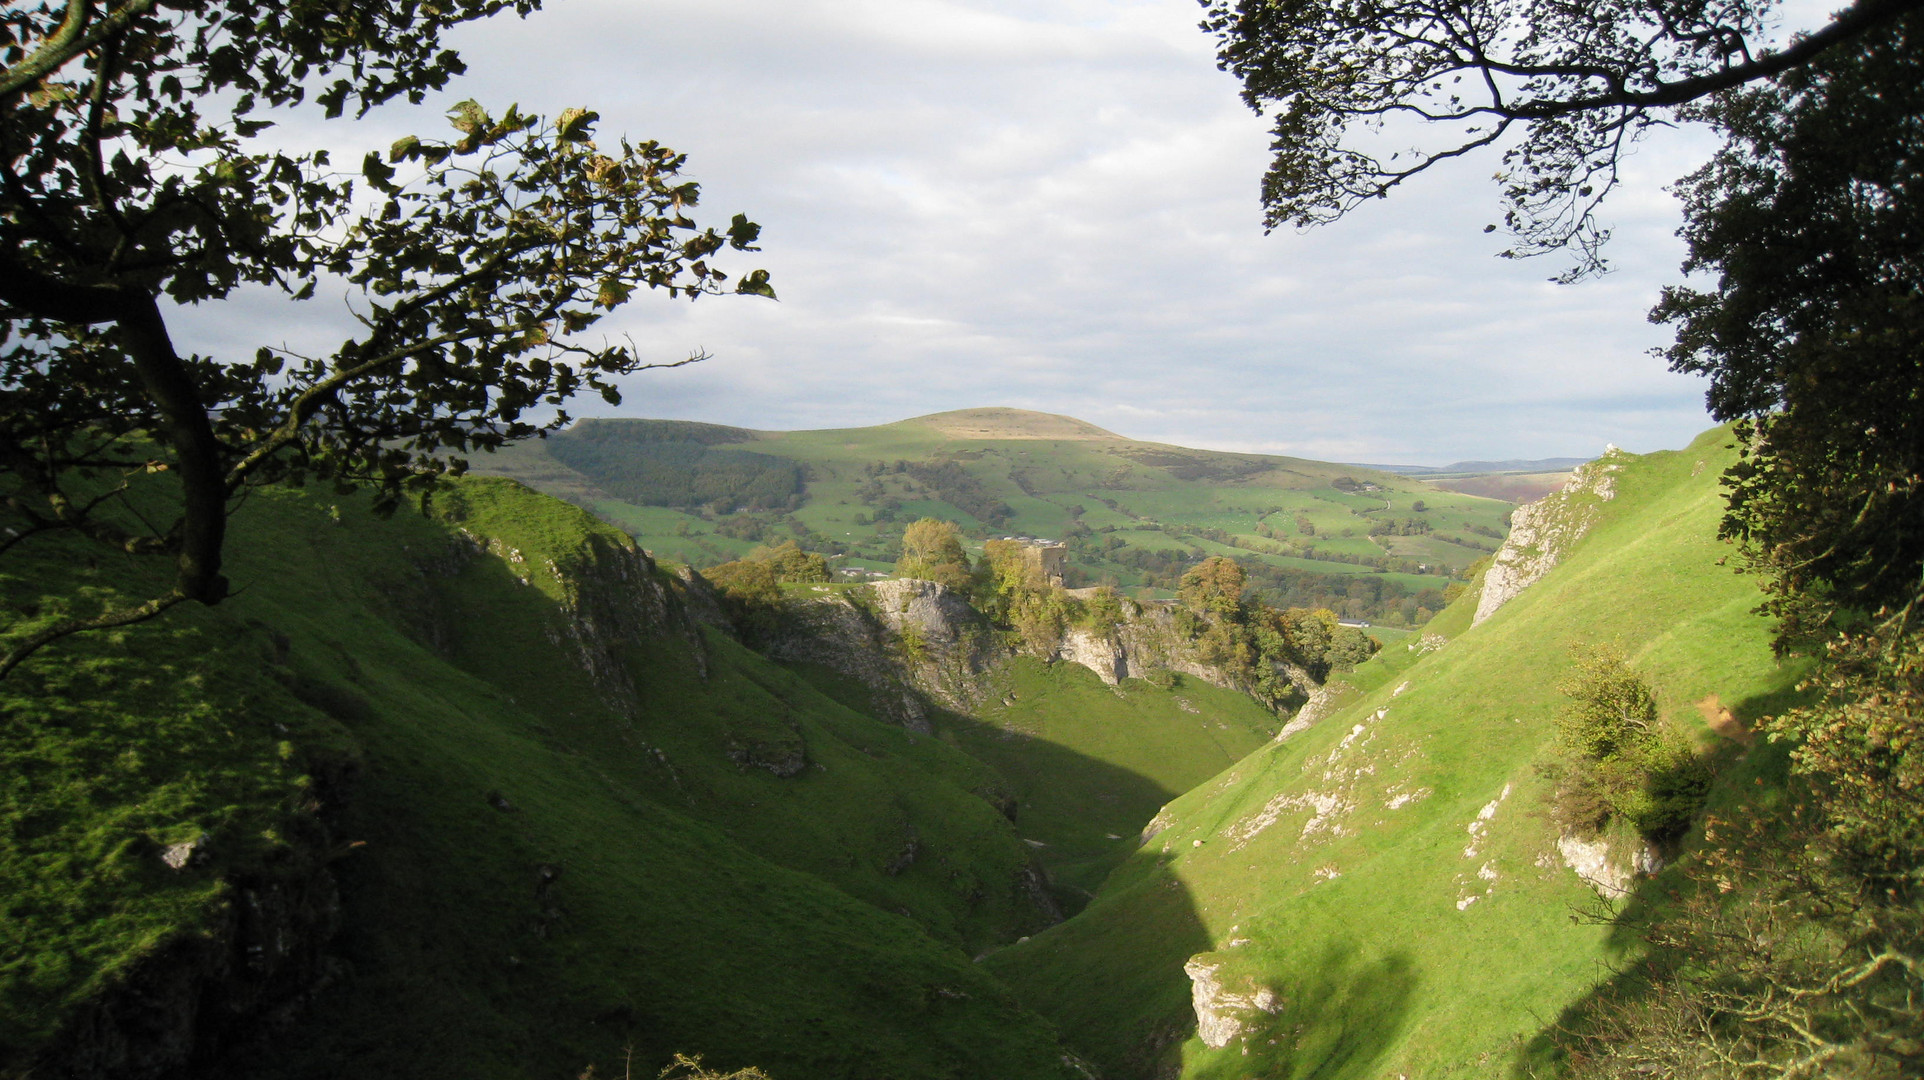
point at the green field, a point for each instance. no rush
(1133, 514)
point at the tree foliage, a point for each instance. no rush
(132, 180)
(1617, 760)
(1814, 333)
(1560, 89)
(1214, 585)
(1771, 965)
(932, 551)
(1797, 949)
(1015, 593)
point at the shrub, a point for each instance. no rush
(1615, 758)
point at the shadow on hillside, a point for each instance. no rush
(441, 907)
(1072, 802)
(1751, 782)
(1339, 1016)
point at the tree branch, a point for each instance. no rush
(69, 39)
(67, 628)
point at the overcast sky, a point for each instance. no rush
(1052, 204)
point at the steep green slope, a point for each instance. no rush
(573, 823)
(1382, 894)
(1367, 544)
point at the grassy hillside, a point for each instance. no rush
(1383, 891)
(1369, 544)
(538, 866)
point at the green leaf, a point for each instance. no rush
(742, 233)
(576, 125)
(613, 292)
(469, 117)
(377, 171)
(405, 147)
(756, 284)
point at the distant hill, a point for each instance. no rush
(1003, 423)
(1479, 468)
(1368, 544)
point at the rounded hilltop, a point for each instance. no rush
(1006, 423)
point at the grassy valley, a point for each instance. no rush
(558, 827)
(555, 815)
(1383, 894)
(566, 815)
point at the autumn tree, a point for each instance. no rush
(1214, 585)
(932, 551)
(1015, 593)
(134, 179)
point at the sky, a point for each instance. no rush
(1053, 205)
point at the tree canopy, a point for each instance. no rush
(1369, 93)
(932, 550)
(133, 180)
(1811, 220)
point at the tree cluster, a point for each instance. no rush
(932, 551)
(1256, 643)
(751, 586)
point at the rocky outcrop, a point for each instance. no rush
(1103, 655)
(1610, 872)
(911, 641)
(610, 595)
(1222, 1014)
(902, 639)
(1543, 532)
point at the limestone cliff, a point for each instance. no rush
(909, 641)
(1543, 532)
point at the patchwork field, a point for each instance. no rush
(1368, 545)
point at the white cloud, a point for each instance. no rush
(1053, 204)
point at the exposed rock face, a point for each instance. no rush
(1543, 532)
(905, 639)
(1222, 1015)
(1104, 656)
(1603, 868)
(901, 638)
(611, 599)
